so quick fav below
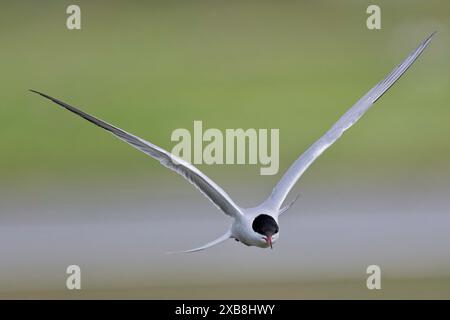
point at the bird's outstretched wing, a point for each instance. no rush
(287, 182)
(205, 185)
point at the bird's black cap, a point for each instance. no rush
(265, 225)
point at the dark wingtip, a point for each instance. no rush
(34, 91)
(430, 37)
(45, 96)
(432, 34)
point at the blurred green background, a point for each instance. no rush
(155, 66)
(151, 67)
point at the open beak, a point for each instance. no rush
(269, 241)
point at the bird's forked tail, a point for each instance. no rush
(221, 239)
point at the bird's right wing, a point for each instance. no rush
(296, 170)
(205, 185)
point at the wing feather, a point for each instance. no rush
(204, 184)
(297, 169)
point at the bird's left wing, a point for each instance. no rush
(296, 170)
(205, 185)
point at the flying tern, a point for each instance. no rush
(257, 226)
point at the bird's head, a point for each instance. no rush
(267, 227)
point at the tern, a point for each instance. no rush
(257, 226)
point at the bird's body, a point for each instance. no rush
(257, 226)
(245, 229)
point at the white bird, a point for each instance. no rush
(257, 226)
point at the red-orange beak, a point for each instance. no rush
(269, 241)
